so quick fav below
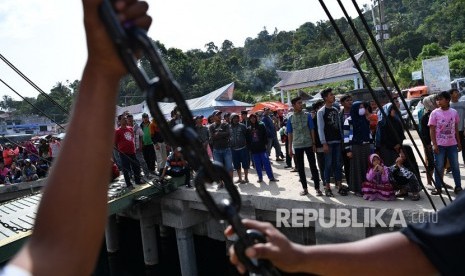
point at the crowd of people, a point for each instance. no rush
(424, 249)
(27, 161)
(352, 139)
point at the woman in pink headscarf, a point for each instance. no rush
(377, 185)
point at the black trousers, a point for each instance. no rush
(184, 171)
(129, 163)
(148, 151)
(299, 159)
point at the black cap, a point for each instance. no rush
(244, 112)
(145, 115)
(216, 112)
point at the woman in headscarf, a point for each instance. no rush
(430, 104)
(390, 135)
(358, 145)
(377, 185)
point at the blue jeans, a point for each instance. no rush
(451, 152)
(224, 156)
(333, 163)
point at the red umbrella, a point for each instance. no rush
(273, 106)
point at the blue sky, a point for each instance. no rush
(45, 39)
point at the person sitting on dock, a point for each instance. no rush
(377, 185)
(15, 173)
(29, 171)
(176, 166)
(3, 173)
(8, 155)
(404, 180)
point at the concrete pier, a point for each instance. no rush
(186, 249)
(111, 235)
(149, 240)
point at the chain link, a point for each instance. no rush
(163, 88)
(16, 228)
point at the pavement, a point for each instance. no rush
(289, 187)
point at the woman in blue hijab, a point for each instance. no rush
(358, 144)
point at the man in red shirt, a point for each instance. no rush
(124, 141)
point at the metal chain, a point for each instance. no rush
(129, 40)
(16, 228)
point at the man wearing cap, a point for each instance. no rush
(271, 134)
(219, 138)
(147, 149)
(240, 153)
(29, 171)
(176, 166)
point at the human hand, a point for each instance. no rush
(349, 154)
(282, 253)
(102, 54)
(459, 147)
(325, 148)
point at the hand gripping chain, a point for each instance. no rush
(163, 88)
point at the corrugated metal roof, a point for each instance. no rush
(317, 74)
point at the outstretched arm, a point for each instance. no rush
(71, 217)
(386, 254)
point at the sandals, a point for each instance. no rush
(342, 190)
(401, 193)
(415, 197)
(318, 192)
(304, 192)
(328, 192)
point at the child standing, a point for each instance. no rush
(377, 185)
(443, 124)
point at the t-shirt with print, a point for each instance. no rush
(444, 121)
(124, 139)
